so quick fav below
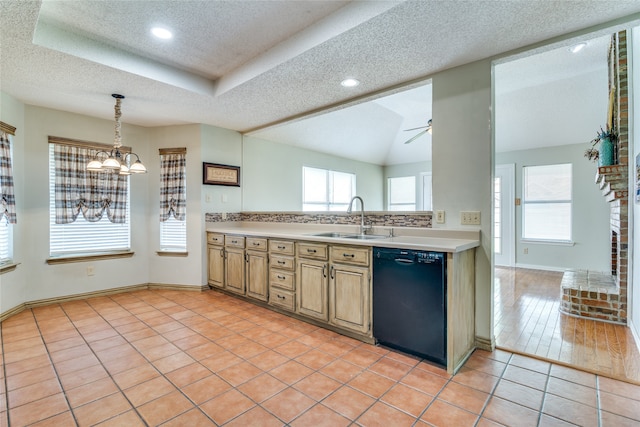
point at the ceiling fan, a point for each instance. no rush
(427, 129)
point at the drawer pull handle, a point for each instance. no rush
(256, 243)
(281, 262)
(281, 277)
(234, 241)
(349, 255)
(311, 251)
(281, 247)
(281, 297)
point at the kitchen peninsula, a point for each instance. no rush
(324, 274)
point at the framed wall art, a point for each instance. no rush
(215, 174)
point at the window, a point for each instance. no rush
(82, 236)
(173, 199)
(402, 193)
(326, 190)
(7, 198)
(547, 201)
(6, 242)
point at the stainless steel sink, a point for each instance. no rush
(331, 234)
(365, 236)
(350, 236)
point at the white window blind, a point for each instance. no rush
(327, 190)
(82, 236)
(6, 244)
(547, 202)
(173, 235)
(6, 232)
(402, 193)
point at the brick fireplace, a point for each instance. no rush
(603, 295)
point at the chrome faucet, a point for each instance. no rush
(363, 228)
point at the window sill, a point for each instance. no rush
(173, 253)
(549, 242)
(10, 266)
(65, 259)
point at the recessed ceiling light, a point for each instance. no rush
(350, 82)
(161, 33)
(577, 48)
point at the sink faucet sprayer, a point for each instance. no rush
(363, 227)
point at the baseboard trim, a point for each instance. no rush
(485, 344)
(538, 267)
(85, 295)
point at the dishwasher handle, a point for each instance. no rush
(404, 261)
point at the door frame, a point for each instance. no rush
(507, 174)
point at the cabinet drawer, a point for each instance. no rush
(282, 298)
(349, 255)
(235, 241)
(284, 262)
(215, 239)
(257, 244)
(312, 250)
(281, 247)
(282, 279)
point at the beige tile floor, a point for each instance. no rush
(179, 358)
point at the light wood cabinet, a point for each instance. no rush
(216, 266)
(257, 269)
(234, 270)
(313, 288)
(282, 285)
(350, 288)
(215, 251)
(350, 297)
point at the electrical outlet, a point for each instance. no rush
(91, 270)
(470, 217)
(440, 217)
(224, 216)
(526, 251)
(207, 198)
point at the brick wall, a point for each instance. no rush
(590, 294)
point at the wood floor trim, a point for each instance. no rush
(569, 365)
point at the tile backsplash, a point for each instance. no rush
(382, 219)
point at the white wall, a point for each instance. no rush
(591, 214)
(462, 166)
(222, 146)
(273, 176)
(37, 279)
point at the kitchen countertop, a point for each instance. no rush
(426, 239)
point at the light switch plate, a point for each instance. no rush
(440, 217)
(470, 217)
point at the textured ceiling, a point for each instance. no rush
(245, 65)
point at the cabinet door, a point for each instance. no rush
(311, 289)
(256, 274)
(216, 266)
(234, 270)
(349, 300)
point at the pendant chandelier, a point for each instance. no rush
(116, 161)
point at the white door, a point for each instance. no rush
(426, 191)
(504, 216)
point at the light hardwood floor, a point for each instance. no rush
(528, 321)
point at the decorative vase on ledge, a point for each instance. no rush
(605, 152)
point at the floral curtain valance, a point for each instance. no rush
(173, 187)
(92, 193)
(7, 195)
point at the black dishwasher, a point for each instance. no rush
(409, 302)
